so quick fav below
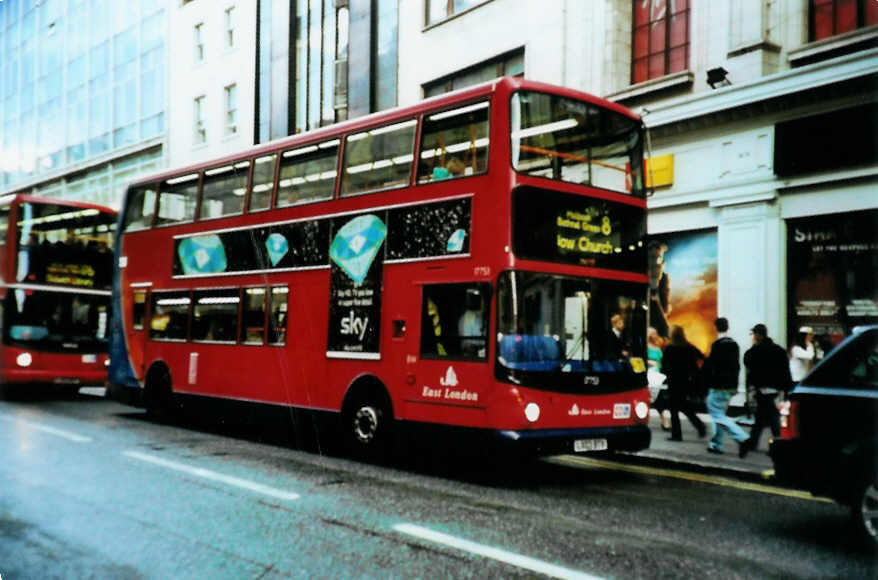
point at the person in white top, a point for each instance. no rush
(802, 354)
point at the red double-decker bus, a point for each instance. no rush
(56, 270)
(475, 261)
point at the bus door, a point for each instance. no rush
(139, 298)
(453, 370)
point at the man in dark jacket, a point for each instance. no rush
(768, 374)
(721, 371)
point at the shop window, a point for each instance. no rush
(277, 319)
(832, 17)
(661, 38)
(455, 143)
(508, 64)
(454, 321)
(215, 315)
(170, 316)
(253, 316)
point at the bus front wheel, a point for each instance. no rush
(368, 424)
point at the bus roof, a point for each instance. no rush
(505, 85)
(24, 197)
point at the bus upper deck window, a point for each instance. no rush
(455, 143)
(140, 207)
(380, 158)
(307, 174)
(263, 182)
(177, 198)
(223, 190)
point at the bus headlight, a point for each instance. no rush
(641, 409)
(24, 359)
(532, 412)
(107, 362)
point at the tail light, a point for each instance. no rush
(789, 419)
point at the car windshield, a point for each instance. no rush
(571, 140)
(564, 325)
(852, 365)
(56, 321)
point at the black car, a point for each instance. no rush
(828, 442)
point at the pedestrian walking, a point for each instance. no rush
(768, 375)
(654, 344)
(680, 362)
(721, 370)
(802, 354)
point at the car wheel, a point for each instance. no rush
(865, 511)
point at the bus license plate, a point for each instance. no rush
(581, 445)
(89, 358)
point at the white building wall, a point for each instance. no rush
(221, 67)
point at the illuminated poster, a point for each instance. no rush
(832, 275)
(683, 284)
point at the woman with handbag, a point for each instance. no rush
(680, 362)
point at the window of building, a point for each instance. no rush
(307, 174)
(177, 199)
(832, 17)
(380, 158)
(223, 190)
(277, 319)
(215, 315)
(170, 316)
(231, 99)
(199, 130)
(454, 321)
(230, 27)
(253, 316)
(508, 64)
(198, 37)
(439, 10)
(661, 38)
(454, 143)
(263, 182)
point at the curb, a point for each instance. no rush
(751, 475)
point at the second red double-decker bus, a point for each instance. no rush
(56, 264)
(474, 261)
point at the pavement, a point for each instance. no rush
(691, 453)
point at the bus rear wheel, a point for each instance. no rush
(368, 424)
(158, 393)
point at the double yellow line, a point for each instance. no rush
(591, 463)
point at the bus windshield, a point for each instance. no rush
(564, 325)
(56, 321)
(64, 245)
(570, 140)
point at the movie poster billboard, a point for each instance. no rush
(832, 274)
(683, 284)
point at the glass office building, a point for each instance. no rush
(82, 95)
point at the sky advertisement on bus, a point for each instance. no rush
(683, 284)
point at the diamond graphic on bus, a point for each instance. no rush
(202, 255)
(455, 241)
(277, 247)
(356, 244)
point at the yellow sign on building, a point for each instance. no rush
(660, 170)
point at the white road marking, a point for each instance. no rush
(51, 430)
(517, 560)
(214, 476)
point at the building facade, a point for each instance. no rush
(763, 124)
(210, 109)
(83, 87)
